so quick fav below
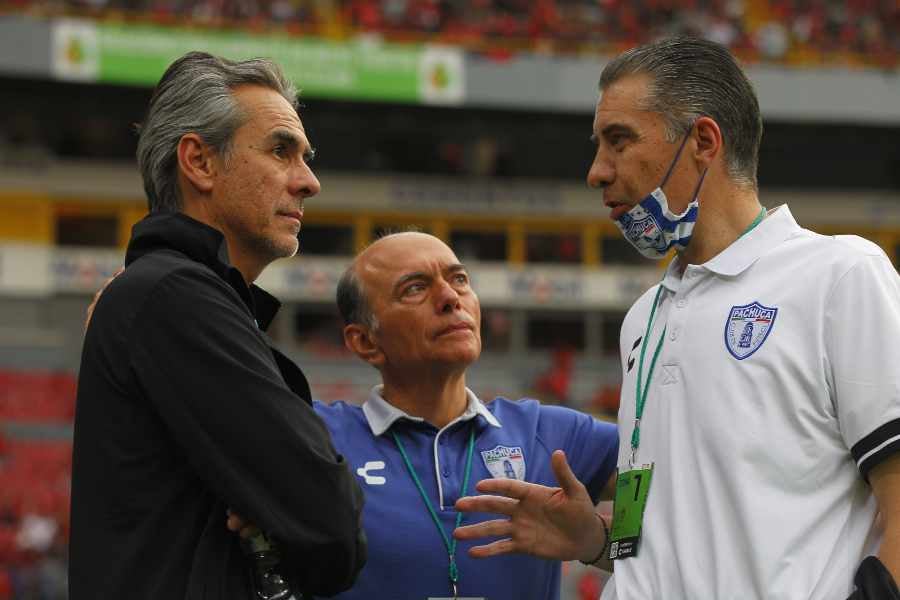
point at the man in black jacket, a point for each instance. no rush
(184, 409)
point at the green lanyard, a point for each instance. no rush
(451, 545)
(641, 393)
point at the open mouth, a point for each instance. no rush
(617, 209)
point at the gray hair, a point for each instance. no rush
(691, 78)
(195, 96)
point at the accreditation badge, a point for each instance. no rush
(632, 487)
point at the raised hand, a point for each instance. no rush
(547, 522)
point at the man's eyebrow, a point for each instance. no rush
(286, 137)
(612, 129)
(455, 268)
(293, 142)
(410, 277)
(421, 275)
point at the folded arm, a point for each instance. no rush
(258, 446)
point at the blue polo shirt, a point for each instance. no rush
(407, 557)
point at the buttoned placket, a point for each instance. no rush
(675, 314)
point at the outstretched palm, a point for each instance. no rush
(547, 522)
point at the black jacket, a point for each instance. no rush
(184, 410)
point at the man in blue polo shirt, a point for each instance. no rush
(423, 439)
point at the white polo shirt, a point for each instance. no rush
(776, 390)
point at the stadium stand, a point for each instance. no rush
(37, 397)
(36, 410)
(856, 33)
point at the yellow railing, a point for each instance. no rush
(32, 217)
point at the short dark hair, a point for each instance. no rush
(351, 299)
(194, 95)
(690, 78)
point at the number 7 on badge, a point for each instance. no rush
(632, 488)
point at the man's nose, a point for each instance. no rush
(304, 182)
(601, 173)
(447, 298)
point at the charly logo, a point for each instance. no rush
(372, 465)
(504, 462)
(631, 358)
(747, 328)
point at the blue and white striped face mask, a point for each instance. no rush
(652, 228)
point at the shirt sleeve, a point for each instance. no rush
(863, 353)
(199, 359)
(591, 446)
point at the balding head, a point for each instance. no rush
(351, 294)
(408, 304)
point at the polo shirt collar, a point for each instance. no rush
(381, 414)
(778, 226)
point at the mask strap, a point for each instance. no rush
(699, 183)
(675, 160)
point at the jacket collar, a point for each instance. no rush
(203, 244)
(778, 226)
(380, 414)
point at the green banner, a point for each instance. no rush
(139, 54)
(359, 69)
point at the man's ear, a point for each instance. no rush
(359, 340)
(196, 162)
(709, 141)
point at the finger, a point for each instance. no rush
(495, 528)
(511, 488)
(235, 523)
(248, 531)
(487, 504)
(493, 549)
(89, 313)
(564, 475)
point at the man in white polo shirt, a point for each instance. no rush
(760, 412)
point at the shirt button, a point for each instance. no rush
(673, 335)
(446, 472)
(681, 303)
(442, 441)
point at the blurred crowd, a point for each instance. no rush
(36, 412)
(34, 509)
(805, 32)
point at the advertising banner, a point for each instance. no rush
(361, 68)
